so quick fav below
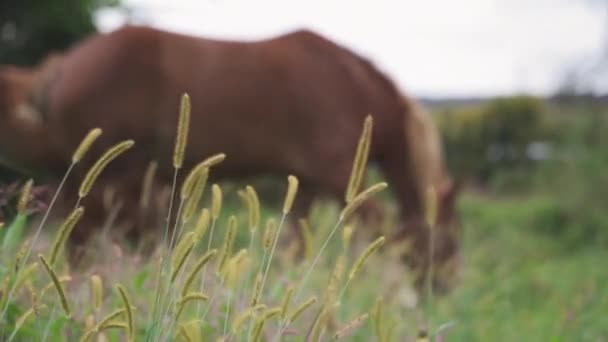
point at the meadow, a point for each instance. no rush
(533, 265)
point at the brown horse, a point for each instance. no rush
(294, 104)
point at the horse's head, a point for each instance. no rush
(21, 123)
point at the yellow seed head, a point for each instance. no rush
(234, 268)
(19, 322)
(85, 144)
(307, 237)
(64, 231)
(360, 162)
(254, 209)
(26, 191)
(240, 319)
(195, 197)
(20, 255)
(347, 234)
(107, 319)
(127, 305)
(146, 188)
(202, 224)
(196, 269)
(350, 327)
(297, 312)
(356, 202)
(190, 180)
(286, 301)
(192, 296)
(371, 249)
(57, 284)
(292, 189)
(96, 292)
(101, 164)
(182, 251)
(228, 242)
(116, 325)
(213, 160)
(269, 233)
(183, 126)
(257, 289)
(216, 201)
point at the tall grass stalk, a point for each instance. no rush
(203, 277)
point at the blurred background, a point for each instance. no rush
(519, 90)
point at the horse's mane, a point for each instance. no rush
(423, 141)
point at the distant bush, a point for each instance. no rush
(577, 180)
(505, 134)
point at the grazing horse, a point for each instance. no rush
(293, 104)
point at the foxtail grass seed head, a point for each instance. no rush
(19, 322)
(347, 234)
(183, 126)
(216, 201)
(350, 327)
(20, 255)
(202, 224)
(228, 242)
(190, 180)
(57, 284)
(240, 319)
(24, 198)
(50, 285)
(371, 249)
(127, 305)
(101, 164)
(86, 144)
(114, 314)
(96, 292)
(297, 312)
(286, 301)
(431, 206)
(307, 237)
(192, 296)
(257, 330)
(269, 233)
(254, 210)
(257, 290)
(196, 269)
(270, 313)
(64, 232)
(115, 325)
(292, 189)
(195, 197)
(180, 256)
(360, 198)
(261, 321)
(244, 198)
(213, 160)
(360, 162)
(148, 181)
(234, 269)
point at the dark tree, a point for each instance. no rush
(29, 29)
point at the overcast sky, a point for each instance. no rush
(431, 48)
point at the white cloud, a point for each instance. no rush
(433, 47)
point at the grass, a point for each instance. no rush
(519, 281)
